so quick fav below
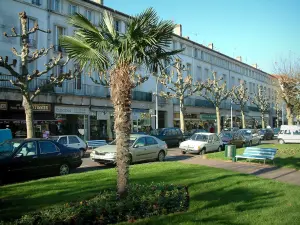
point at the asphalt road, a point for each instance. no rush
(174, 154)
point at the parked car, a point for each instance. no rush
(188, 134)
(233, 138)
(266, 134)
(201, 143)
(251, 135)
(289, 134)
(142, 147)
(36, 157)
(71, 141)
(172, 136)
(276, 132)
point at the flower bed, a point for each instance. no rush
(106, 208)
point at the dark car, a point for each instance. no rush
(172, 136)
(276, 132)
(188, 134)
(233, 138)
(37, 157)
(266, 134)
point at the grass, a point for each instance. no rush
(217, 196)
(288, 155)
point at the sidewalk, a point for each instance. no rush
(286, 175)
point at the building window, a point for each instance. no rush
(206, 74)
(196, 53)
(58, 70)
(174, 45)
(36, 2)
(58, 32)
(32, 39)
(56, 5)
(73, 9)
(77, 83)
(199, 74)
(188, 69)
(88, 15)
(117, 25)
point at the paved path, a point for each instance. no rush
(286, 175)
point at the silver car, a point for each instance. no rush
(251, 135)
(142, 147)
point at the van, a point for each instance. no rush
(289, 134)
(5, 134)
(172, 135)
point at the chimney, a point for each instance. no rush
(211, 46)
(239, 58)
(178, 30)
(255, 65)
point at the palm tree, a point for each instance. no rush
(104, 49)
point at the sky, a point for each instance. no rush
(261, 31)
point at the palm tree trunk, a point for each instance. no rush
(181, 114)
(108, 128)
(121, 85)
(29, 117)
(289, 115)
(243, 119)
(218, 119)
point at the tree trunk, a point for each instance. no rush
(289, 115)
(277, 121)
(121, 97)
(218, 119)
(262, 121)
(181, 115)
(108, 128)
(243, 119)
(29, 117)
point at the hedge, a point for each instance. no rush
(106, 208)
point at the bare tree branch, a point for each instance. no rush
(39, 53)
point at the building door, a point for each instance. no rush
(161, 119)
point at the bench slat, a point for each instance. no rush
(258, 153)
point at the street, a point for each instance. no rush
(174, 154)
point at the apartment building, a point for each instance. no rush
(84, 108)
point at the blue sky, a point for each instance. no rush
(261, 31)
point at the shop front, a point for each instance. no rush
(208, 122)
(192, 121)
(12, 116)
(73, 120)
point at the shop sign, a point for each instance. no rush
(41, 107)
(3, 105)
(35, 106)
(72, 110)
(208, 117)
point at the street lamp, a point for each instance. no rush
(231, 114)
(156, 104)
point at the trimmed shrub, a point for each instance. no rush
(107, 208)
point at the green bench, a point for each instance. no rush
(258, 153)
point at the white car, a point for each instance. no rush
(72, 141)
(201, 143)
(289, 134)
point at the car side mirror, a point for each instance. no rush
(19, 155)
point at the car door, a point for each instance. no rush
(216, 142)
(139, 149)
(50, 157)
(73, 142)
(237, 140)
(168, 137)
(25, 161)
(152, 148)
(209, 146)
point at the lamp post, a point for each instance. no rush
(156, 105)
(231, 114)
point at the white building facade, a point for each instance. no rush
(84, 108)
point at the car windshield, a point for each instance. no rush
(276, 130)
(156, 132)
(131, 141)
(8, 147)
(246, 132)
(263, 131)
(199, 137)
(228, 135)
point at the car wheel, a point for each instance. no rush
(281, 141)
(202, 152)
(130, 159)
(183, 152)
(161, 156)
(64, 169)
(220, 149)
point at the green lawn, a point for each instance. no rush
(217, 196)
(288, 155)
